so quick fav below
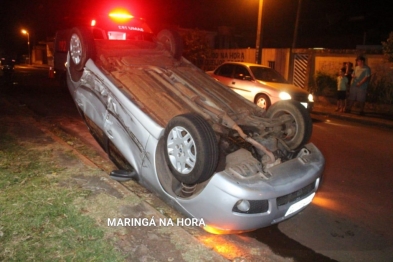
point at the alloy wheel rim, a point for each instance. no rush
(75, 49)
(181, 150)
(261, 102)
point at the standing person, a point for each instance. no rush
(360, 79)
(342, 84)
(349, 72)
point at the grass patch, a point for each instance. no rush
(38, 221)
(75, 143)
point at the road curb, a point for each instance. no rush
(366, 120)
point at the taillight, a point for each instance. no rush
(93, 22)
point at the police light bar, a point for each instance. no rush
(120, 15)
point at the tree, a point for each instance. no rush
(196, 46)
(387, 47)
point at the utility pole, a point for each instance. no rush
(292, 55)
(299, 7)
(25, 32)
(258, 45)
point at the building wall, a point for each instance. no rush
(42, 54)
(219, 56)
(279, 58)
(331, 64)
(39, 55)
(50, 46)
(327, 61)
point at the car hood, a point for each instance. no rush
(291, 89)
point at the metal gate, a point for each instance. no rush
(300, 70)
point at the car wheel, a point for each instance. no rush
(191, 148)
(262, 101)
(81, 49)
(172, 42)
(296, 131)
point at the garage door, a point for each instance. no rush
(300, 70)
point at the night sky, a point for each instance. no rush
(323, 23)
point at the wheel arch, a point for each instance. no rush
(261, 93)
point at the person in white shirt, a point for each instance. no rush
(358, 90)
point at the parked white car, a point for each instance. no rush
(261, 85)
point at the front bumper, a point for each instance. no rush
(290, 188)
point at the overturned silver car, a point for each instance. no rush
(204, 149)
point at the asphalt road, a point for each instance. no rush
(350, 217)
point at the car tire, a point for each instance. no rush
(262, 101)
(172, 42)
(81, 49)
(191, 148)
(297, 131)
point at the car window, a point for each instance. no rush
(225, 70)
(242, 73)
(267, 74)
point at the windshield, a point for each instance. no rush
(267, 74)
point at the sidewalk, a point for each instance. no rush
(323, 108)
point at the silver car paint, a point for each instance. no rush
(139, 142)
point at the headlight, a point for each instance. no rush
(284, 96)
(310, 98)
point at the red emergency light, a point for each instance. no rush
(120, 15)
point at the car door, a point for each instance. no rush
(126, 133)
(224, 74)
(242, 82)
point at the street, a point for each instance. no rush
(349, 219)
